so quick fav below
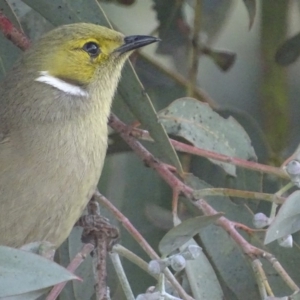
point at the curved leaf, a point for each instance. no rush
(22, 272)
(289, 51)
(200, 125)
(185, 231)
(251, 9)
(287, 220)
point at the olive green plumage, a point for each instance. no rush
(54, 106)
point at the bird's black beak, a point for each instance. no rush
(135, 41)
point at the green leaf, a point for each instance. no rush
(204, 284)
(28, 296)
(8, 52)
(200, 125)
(185, 231)
(23, 272)
(287, 220)
(224, 59)
(7, 10)
(230, 263)
(289, 51)
(251, 9)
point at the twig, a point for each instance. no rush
(75, 263)
(144, 134)
(238, 193)
(16, 36)
(195, 49)
(175, 183)
(261, 279)
(102, 241)
(115, 258)
(141, 241)
(175, 202)
(281, 271)
(133, 258)
(179, 79)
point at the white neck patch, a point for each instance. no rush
(61, 85)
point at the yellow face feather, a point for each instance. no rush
(68, 59)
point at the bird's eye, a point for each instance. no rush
(92, 49)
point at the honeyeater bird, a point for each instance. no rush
(54, 106)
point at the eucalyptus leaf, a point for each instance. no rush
(251, 9)
(28, 296)
(8, 52)
(224, 59)
(202, 278)
(23, 272)
(185, 231)
(289, 51)
(229, 261)
(287, 220)
(6, 9)
(200, 125)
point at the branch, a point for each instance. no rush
(140, 240)
(13, 34)
(182, 147)
(75, 263)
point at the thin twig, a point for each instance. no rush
(115, 258)
(238, 193)
(13, 34)
(75, 263)
(133, 258)
(175, 183)
(260, 278)
(195, 49)
(182, 147)
(141, 241)
(100, 254)
(180, 80)
(281, 271)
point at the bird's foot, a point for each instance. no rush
(97, 228)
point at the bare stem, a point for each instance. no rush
(13, 34)
(238, 193)
(75, 263)
(143, 134)
(141, 241)
(195, 49)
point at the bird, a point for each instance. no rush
(54, 107)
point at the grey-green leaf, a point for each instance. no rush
(287, 220)
(185, 231)
(289, 51)
(251, 9)
(204, 284)
(200, 125)
(23, 272)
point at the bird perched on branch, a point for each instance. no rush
(54, 106)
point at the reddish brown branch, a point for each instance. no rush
(13, 34)
(182, 147)
(177, 184)
(141, 241)
(75, 263)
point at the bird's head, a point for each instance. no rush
(72, 68)
(79, 54)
